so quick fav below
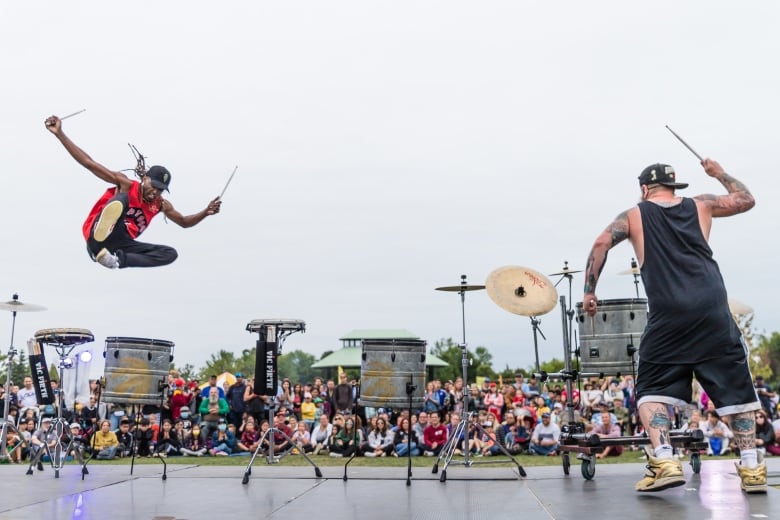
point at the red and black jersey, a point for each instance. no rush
(138, 214)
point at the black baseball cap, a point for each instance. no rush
(660, 174)
(160, 177)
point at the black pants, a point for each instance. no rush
(131, 253)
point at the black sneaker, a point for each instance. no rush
(40, 466)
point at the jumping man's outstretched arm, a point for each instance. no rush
(54, 125)
(186, 221)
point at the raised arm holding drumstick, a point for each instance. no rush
(125, 210)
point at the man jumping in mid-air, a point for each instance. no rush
(131, 204)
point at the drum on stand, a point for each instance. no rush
(386, 368)
(606, 337)
(136, 369)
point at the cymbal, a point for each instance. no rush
(634, 270)
(16, 306)
(521, 290)
(566, 270)
(738, 308)
(462, 287)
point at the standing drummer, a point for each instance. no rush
(690, 330)
(133, 205)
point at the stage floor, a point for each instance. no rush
(199, 492)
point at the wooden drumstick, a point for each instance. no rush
(685, 144)
(73, 114)
(228, 182)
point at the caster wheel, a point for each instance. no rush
(566, 461)
(696, 462)
(588, 468)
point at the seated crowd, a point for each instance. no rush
(320, 418)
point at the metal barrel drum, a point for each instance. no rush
(605, 338)
(386, 368)
(136, 369)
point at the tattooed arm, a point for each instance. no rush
(615, 233)
(738, 200)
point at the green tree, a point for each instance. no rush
(222, 361)
(765, 358)
(450, 352)
(19, 369)
(296, 366)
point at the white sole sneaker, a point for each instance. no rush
(107, 259)
(107, 220)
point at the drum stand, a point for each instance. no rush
(59, 426)
(355, 428)
(274, 459)
(462, 428)
(273, 333)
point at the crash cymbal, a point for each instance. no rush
(458, 288)
(633, 270)
(738, 308)
(16, 306)
(521, 290)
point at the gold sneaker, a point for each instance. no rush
(107, 220)
(753, 479)
(661, 474)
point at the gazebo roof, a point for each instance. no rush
(379, 334)
(351, 357)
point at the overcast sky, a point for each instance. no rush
(383, 149)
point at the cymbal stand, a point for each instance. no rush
(462, 429)
(356, 437)
(7, 425)
(635, 274)
(569, 311)
(535, 326)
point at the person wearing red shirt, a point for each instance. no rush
(434, 435)
(130, 204)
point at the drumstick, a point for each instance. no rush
(228, 182)
(684, 143)
(73, 114)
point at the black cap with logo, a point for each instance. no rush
(160, 177)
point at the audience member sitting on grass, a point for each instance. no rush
(222, 440)
(405, 440)
(607, 429)
(125, 438)
(194, 445)
(104, 441)
(168, 442)
(302, 439)
(544, 440)
(348, 439)
(434, 435)
(144, 439)
(716, 433)
(380, 440)
(320, 437)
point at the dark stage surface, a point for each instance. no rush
(196, 492)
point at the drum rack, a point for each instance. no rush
(574, 439)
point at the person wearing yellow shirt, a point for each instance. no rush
(308, 411)
(104, 441)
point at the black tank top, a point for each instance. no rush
(689, 319)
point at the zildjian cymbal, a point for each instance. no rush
(16, 306)
(738, 308)
(634, 270)
(521, 290)
(462, 287)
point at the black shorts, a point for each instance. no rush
(727, 381)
